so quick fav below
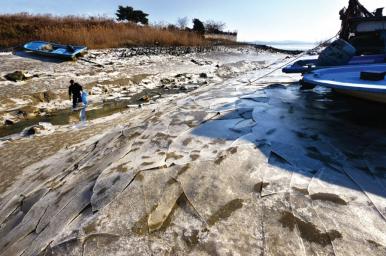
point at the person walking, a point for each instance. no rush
(75, 90)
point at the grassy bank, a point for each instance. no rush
(95, 33)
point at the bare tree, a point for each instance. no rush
(182, 23)
(212, 26)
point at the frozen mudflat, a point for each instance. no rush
(231, 168)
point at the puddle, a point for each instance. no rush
(67, 116)
(63, 117)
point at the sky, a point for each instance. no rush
(266, 20)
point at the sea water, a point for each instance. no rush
(301, 47)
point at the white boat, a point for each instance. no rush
(347, 80)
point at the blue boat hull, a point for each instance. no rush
(309, 65)
(55, 50)
(347, 80)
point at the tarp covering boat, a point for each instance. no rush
(55, 50)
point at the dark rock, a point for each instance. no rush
(203, 75)
(145, 98)
(16, 76)
(46, 96)
(37, 129)
(29, 131)
(21, 113)
(195, 62)
(166, 81)
(28, 111)
(8, 122)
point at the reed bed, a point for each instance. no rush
(95, 33)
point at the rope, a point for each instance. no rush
(296, 58)
(92, 62)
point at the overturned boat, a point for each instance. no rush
(362, 81)
(55, 50)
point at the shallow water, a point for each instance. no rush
(301, 47)
(64, 117)
(68, 116)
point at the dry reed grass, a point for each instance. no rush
(95, 33)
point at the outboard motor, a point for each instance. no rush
(337, 53)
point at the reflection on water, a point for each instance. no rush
(82, 117)
(68, 116)
(64, 117)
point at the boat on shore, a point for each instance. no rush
(54, 50)
(361, 81)
(309, 65)
(354, 64)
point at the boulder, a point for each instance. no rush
(203, 75)
(46, 96)
(28, 111)
(41, 128)
(166, 81)
(145, 98)
(16, 76)
(8, 122)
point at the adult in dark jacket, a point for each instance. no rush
(75, 90)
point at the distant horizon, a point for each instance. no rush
(284, 42)
(274, 21)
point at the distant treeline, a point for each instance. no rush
(128, 13)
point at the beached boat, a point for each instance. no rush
(55, 50)
(362, 35)
(308, 65)
(363, 81)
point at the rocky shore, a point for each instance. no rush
(38, 87)
(224, 165)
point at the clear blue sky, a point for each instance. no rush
(308, 20)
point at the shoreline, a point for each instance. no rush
(184, 49)
(103, 73)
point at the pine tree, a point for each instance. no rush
(198, 26)
(128, 13)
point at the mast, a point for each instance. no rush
(354, 10)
